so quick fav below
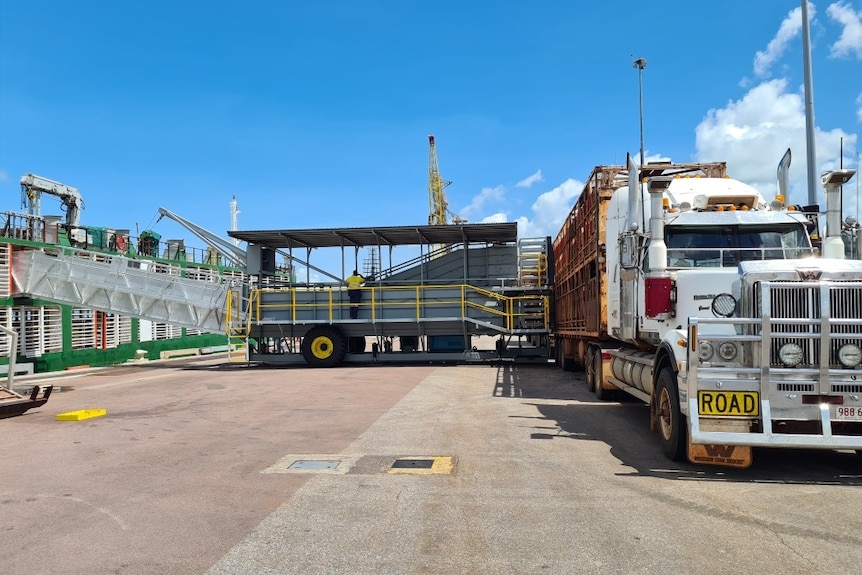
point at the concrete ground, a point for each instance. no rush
(206, 467)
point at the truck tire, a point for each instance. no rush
(324, 346)
(589, 370)
(669, 419)
(602, 394)
(563, 362)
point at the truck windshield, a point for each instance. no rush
(726, 246)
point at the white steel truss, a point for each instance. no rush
(116, 284)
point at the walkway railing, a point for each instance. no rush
(415, 303)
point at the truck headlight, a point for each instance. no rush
(723, 305)
(850, 355)
(790, 354)
(705, 350)
(727, 351)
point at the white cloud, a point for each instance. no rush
(788, 30)
(530, 180)
(851, 35)
(656, 158)
(497, 218)
(487, 195)
(4, 176)
(859, 109)
(752, 134)
(549, 210)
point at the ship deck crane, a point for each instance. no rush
(228, 250)
(32, 188)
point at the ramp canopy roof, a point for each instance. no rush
(384, 236)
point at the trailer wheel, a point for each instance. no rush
(602, 394)
(671, 423)
(323, 346)
(589, 370)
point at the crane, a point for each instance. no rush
(32, 188)
(436, 196)
(232, 252)
(439, 208)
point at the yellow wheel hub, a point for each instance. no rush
(322, 347)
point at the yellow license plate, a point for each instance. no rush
(728, 403)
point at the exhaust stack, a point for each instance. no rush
(833, 245)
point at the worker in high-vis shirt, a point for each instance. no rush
(354, 283)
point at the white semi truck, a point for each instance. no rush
(693, 292)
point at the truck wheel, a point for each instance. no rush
(323, 346)
(589, 370)
(671, 423)
(602, 394)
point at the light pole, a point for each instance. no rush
(640, 64)
(811, 155)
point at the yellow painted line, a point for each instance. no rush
(80, 414)
(443, 465)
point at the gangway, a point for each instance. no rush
(117, 284)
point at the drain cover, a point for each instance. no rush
(314, 464)
(439, 465)
(413, 464)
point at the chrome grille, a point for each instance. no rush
(845, 303)
(799, 312)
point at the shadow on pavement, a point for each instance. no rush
(624, 426)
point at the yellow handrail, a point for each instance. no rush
(422, 298)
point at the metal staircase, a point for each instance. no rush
(117, 284)
(533, 279)
(532, 262)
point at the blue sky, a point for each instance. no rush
(316, 114)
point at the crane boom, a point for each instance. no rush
(32, 188)
(235, 254)
(436, 198)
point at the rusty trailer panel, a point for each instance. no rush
(580, 279)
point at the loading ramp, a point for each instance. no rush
(465, 283)
(117, 284)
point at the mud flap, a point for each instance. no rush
(739, 456)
